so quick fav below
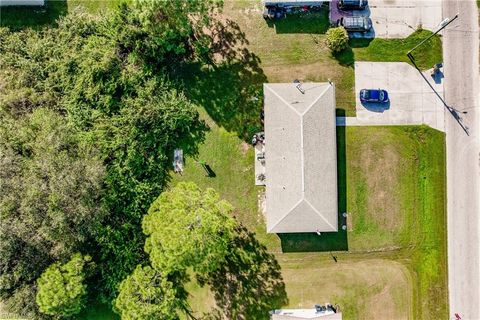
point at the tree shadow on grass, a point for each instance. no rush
(20, 17)
(230, 88)
(249, 283)
(327, 241)
(346, 57)
(360, 42)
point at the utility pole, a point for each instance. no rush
(442, 25)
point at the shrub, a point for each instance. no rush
(61, 288)
(337, 39)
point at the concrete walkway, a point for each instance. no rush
(412, 100)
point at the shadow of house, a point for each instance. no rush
(314, 22)
(327, 241)
(346, 57)
(36, 17)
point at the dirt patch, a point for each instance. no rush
(262, 203)
(349, 222)
(244, 147)
(364, 289)
(317, 71)
(380, 164)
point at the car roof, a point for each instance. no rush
(374, 94)
(355, 21)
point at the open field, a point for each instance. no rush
(364, 289)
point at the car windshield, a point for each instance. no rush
(381, 96)
(366, 94)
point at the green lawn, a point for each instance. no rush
(392, 186)
(391, 50)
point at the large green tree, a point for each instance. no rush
(188, 228)
(61, 288)
(147, 295)
(192, 236)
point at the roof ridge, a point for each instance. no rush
(286, 215)
(283, 100)
(315, 101)
(318, 213)
(294, 207)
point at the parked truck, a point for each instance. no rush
(277, 9)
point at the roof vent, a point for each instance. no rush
(299, 86)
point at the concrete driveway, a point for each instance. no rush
(394, 18)
(412, 101)
(399, 18)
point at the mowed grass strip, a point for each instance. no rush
(392, 50)
(396, 202)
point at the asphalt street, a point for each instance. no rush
(461, 90)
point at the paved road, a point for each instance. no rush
(461, 49)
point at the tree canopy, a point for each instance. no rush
(50, 194)
(192, 236)
(87, 132)
(188, 228)
(62, 289)
(146, 295)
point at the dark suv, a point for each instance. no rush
(352, 4)
(356, 24)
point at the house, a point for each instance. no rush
(6, 3)
(300, 157)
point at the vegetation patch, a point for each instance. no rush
(17, 18)
(393, 50)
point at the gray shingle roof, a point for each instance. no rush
(301, 158)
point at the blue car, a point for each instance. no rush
(373, 95)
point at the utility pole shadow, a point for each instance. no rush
(452, 110)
